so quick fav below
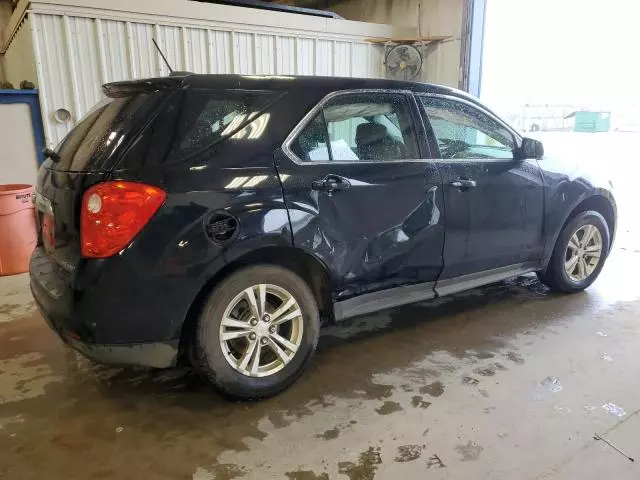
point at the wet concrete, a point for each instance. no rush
(503, 382)
(507, 381)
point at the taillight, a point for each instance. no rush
(113, 213)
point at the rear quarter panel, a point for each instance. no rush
(174, 257)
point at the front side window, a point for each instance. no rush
(464, 132)
(360, 127)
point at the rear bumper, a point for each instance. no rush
(155, 355)
(87, 317)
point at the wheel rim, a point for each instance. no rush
(583, 253)
(261, 330)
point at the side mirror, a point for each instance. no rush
(531, 149)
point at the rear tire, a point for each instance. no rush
(566, 271)
(250, 355)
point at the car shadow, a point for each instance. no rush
(463, 325)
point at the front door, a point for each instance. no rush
(494, 203)
(360, 196)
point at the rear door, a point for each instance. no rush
(494, 202)
(362, 196)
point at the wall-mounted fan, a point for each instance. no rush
(403, 62)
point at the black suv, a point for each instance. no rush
(227, 217)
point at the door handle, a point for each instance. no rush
(330, 184)
(463, 184)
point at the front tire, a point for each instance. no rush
(257, 332)
(579, 254)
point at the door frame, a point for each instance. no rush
(424, 146)
(433, 141)
(472, 46)
(359, 304)
(473, 279)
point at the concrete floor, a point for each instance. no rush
(504, 382)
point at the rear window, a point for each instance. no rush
(102, 131)
(210, 116)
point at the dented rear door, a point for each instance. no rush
(362, 198)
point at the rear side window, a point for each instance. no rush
(102, 131)
(210, 116)
(357, 127)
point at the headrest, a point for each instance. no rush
(368, 133)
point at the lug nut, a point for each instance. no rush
(272, 329)
(266, 318)
(263, 340)
(253, 322)
(252, 336)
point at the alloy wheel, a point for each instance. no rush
(261, 330)
(583, 253)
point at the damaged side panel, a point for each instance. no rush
(385, 230)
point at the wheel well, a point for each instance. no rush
(601, 205)
(309, 268)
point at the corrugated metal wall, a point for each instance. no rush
(76, 55)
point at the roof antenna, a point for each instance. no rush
(162, 55)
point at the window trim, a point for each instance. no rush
(326, 131)
(516, 136)
(319, 107)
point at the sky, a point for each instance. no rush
(577, 52)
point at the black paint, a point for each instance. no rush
(398, 224)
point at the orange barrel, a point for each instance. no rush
(18, 235)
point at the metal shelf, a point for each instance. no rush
(410, 40)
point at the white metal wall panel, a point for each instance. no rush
(170, 41)
(115, 51)
(342, 59)
(265, 55)
(139, 42)
(196, 45)
(53, 74)
(220, 53)
(324, 57)
(83, 62)
(306, 56)
(285, 56)
(360, 59)
(243, 50)
(76, 54)
(376, 62)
